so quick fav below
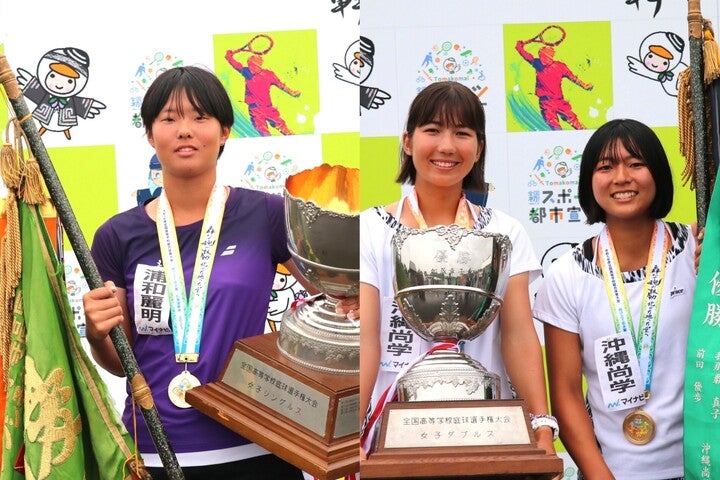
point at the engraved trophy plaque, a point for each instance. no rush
(448, 419)
(311, 365)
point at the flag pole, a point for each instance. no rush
(140, 390)
(697, 89)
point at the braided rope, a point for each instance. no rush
(685, 127)
(10, 267)
(23, 180)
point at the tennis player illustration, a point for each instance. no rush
(659, 59)
(549, 77)
(62, 73)
(357, 68)
(258, 81)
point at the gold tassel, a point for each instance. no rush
(685, 127)
(711, 54)
(22, 176)
(10, 246)
(9, 166)
(32, 190)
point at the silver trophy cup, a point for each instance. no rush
(446, 279)
(325, 246)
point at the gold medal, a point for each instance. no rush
(179, 385)
(639, 427)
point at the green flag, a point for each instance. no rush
(59, 422)
(702, 370)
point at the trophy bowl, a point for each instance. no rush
(446, 282)
(446, 278)
(335, 282)
(323, 227)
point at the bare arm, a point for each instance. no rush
(576, 430)
(369, 344)
(106, 307)
(522, 353)
(698, 234)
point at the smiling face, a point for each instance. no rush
(656, 63)
(59, 84)
(623, 185)
(444, 105)
(442, 154)
(624, 153)
(60, 79)
(186, 141)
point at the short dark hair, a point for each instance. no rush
(641, 142)
(453, 104)
(203, 89)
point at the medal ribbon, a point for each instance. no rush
(461, 216)
(188, 315)
(646, 333)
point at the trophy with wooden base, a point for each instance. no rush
(448, 420)
(296, 392)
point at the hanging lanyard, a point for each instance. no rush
(461, 216)
(645, 335)
(188, 315)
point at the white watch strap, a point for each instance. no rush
(537, 421)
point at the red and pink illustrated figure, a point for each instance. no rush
(549, 77)
(258, 82)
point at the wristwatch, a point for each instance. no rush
(537, 421)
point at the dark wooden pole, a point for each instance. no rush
(139, 387)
